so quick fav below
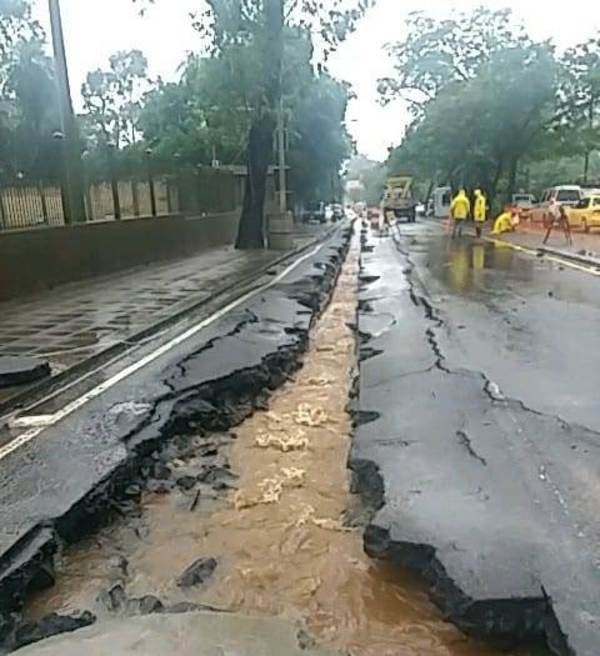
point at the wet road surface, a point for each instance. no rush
(489, 487)
(530, 324)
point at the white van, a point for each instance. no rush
(442, 199)
(567, 195)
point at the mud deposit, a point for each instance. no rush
(265, 515)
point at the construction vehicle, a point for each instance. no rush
(398, 199)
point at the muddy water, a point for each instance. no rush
(280, 537)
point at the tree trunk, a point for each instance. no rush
(586, 163)
(512, 178)
(429, 192)
(251, 232)
(495, 181)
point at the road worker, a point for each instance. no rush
(504, 222)
(460, 210)
(479, 211)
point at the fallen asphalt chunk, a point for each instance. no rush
(18, 370)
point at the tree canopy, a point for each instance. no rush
(488, 101)
(255, 41)
(28, 102)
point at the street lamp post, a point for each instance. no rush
(151, 182)
(283, 208)
(74, 206)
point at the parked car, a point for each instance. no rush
(567, 195)
(314, 211)
(586, 214)
(338, 213)
(523, 201)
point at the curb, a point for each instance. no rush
(581, 259)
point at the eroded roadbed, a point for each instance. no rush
(61, 485)
(474, 491)
(253, 522)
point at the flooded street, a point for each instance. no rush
(283, 526)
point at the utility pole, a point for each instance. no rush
(73, 180)
(281, 161)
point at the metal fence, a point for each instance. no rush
(197, 190)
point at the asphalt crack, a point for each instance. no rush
(490, 388)
(465, 440)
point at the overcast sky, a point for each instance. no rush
(94, 29)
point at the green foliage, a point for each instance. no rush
(490, 104)
(437, 53)
(319, 141)
(541, 174)
(28, 103)
(206, 112)
(373, 180)
(211, 109)
(112, 99)
(579, 100)
(259, 30)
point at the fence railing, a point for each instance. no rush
(26, 204)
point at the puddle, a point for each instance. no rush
(469, 265)
(281, 537)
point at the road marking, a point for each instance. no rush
(550, 258)
(38, 424)
(30, 422)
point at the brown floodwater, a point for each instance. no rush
(280, 538)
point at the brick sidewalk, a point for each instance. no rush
(74, 322)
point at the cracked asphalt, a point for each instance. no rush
(57, 486)
(478, 410)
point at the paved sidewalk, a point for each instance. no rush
(74, 322)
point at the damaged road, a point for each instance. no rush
(83, 455)
(487, 493)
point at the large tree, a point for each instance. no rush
(258, 26)
(579, 99)
(211, 109)
(28, 103)
(438, 52)
(485, 95)
(477, 132)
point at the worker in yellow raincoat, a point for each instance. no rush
(504, 222)
(460, 210)
(479, 211)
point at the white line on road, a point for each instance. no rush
(51, 420)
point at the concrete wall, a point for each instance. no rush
(41, 258)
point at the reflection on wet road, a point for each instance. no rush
(469, 267)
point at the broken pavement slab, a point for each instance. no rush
(18, 370)
(481, 495)
(191, 634)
